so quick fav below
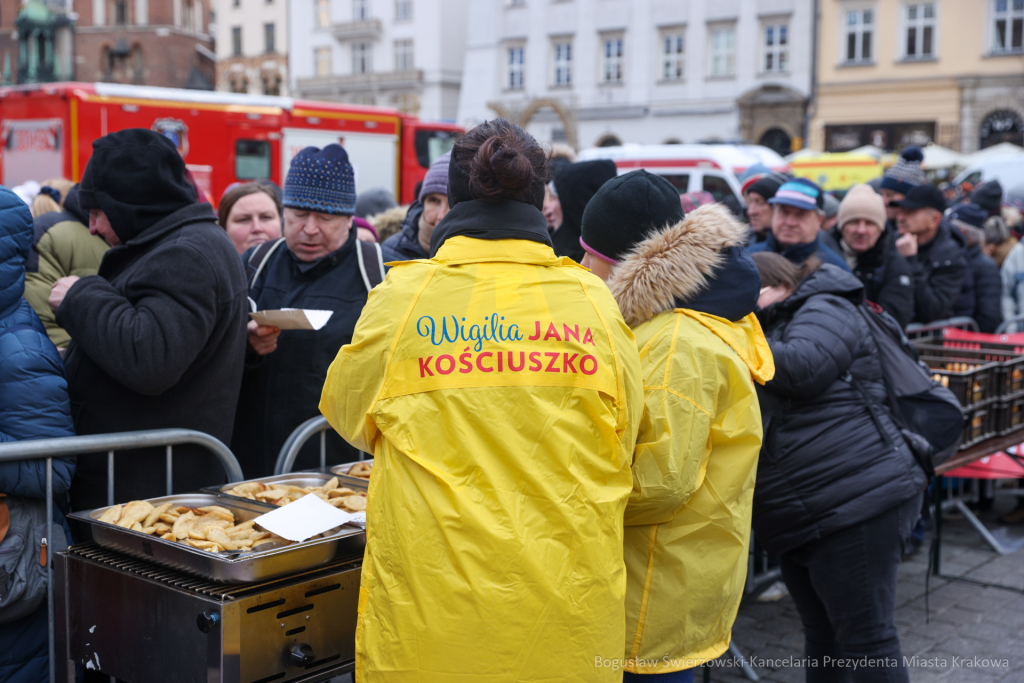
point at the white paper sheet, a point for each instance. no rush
(293, 318)
(303, 519)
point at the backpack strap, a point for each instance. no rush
(371, 263)
(258, 258)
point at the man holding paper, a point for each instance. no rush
(316, 268)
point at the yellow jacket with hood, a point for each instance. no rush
(688, 517)
(499, 391)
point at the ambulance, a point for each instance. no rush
(47, 131)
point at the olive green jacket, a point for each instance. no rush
(65, 249)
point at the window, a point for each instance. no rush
(322, 10)
(121, 13)
(403, 10)
(515, 67)
(362, 58)
(776, 48)
(271, 82)
(672, 51)
(611, 56)
(322, 61)
(404, 56)
(563, 63)
(723, 51)
(360, 10)
(236, 3)
(431, 144)
(680, 181)
(268, 37)
(1009, 26)
(919, 18)
(236, 41)
(252, 159)
(859, 26)
(717, 186)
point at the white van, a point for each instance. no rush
(712, 168)
(1008, 170)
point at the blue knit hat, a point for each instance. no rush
(321, 180)
(905, 174)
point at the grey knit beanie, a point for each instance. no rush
(905, 174)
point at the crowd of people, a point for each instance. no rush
(581, 389)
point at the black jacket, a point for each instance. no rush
(405, 244)
(158, 342)
(576, 185)
(988, 290)
(824, 465)
(939, 269)
(887, 277)
(282, 390)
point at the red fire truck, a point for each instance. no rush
(47, 131)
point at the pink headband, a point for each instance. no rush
(596, 253)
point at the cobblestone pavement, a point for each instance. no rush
(971, 632)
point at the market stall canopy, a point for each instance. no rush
(1003, 149)
(803, 154)
(936, 156)
(838, 171)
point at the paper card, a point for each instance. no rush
(358, 519)
(303, 519)
(293, 318)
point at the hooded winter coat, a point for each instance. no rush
(688, 517)
(33, 405)
(887, 277)
(499, 391)
(405, 244)
(825, 466)
(61, 246)
(158, 335)
(940, 268)
(576, 185)
(798, 253)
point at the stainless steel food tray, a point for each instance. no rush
(249, 567)
(300, 479)
(341, 471)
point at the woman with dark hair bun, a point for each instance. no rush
(499, 391)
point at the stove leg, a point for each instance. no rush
(63, 667)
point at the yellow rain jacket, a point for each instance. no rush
(688, 518)
(499, 391)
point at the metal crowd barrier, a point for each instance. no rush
(111, 443)
(933, 329)
(297, 439)
(1011, 326)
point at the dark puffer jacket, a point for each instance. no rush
(33, 405)
(405, 244)
(943, 282)
(988, 290)
(824, 465)
(887, 277)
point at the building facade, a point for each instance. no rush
(252, 46)
(406, 54)
(899, 72)
(600, 72)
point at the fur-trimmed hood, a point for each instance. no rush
(677, 267)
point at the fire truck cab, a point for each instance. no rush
(47, 131)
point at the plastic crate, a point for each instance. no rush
(979, 424)
(972, 382)
(1009, 379)
(1010, 416)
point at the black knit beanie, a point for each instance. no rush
(137, 178)
(767, 185)
(625, 211)
(989, 196)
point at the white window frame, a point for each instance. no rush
(613, 58)
(403, 10)
(362, 58)
(237, 46)
(672, 54)
(322, 65)
(361, 10)
(322, 13)
(777, 48)
(405, 57)
(1010, 15)
(561, 62)
(727, 53)
(515, 66)
(858, 29)
(918, 25)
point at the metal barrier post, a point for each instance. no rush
(170, 469)
(297, 439)
(50, 615)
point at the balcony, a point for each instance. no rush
(371, 82)
(357, 30)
